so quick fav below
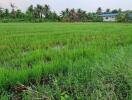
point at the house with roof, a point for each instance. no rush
(130, 17)
(109, 17)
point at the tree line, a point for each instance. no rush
(43, 13)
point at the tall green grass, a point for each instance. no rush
(67, 61)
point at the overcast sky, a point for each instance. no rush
(58, 5)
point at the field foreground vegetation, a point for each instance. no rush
(63, 61)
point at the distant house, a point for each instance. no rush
(130, 17)
(109, 17)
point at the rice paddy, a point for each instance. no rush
(66, 61)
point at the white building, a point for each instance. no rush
(109, 17)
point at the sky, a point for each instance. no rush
(59, 5)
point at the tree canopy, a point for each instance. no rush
(42, 13)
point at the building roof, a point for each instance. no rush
(130, 15)
(108, 14)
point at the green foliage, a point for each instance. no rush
(66, 61)
(43, 13)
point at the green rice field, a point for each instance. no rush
(65, 61)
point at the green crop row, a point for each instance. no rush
(66, 61)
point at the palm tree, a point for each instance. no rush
(19, 13)
(108, 10)
(39, 10)
(30, 12)
(119, 10)
(73, 15)
(62, 14)
(36, 15)
(79, 11)
(67, 11)
(13, 10)
(1, 12)
(65, 15)
(114, 11)
(53, 16)
(46, 10)
(6, 13)
(80, 14)
(99, 10)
